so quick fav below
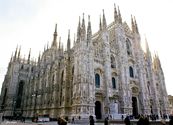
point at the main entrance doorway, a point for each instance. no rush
(98, 110)
(135, 106)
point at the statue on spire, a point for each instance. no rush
(115, 14)
(15, 54)
(59, 43)
(119, 16)
(104, 21)
(132, 24)
(54, 43)
(83, 30)
(136, 26)
(18, 57)
(100, 25)
(29, 56)
(89, 31)
(78, 31)
(68, 41)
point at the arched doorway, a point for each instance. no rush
(135, 106)
(98, 110)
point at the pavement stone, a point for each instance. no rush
(45, 123)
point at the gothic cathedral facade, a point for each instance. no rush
(106, 73)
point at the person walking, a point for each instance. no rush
(171, 120)
(72, 121)
(122, 117)
(106, 121)
(127, 120)
(91, 119)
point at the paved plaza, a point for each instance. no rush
(46, 123)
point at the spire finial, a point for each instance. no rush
(115, 14)
(19, 53)
(88, 18)
(89, 31)
(132, 24)
(62, 48)
(119, 16)
(68, 41)
(54, 43)
(11, 57)
(39, 57)
(44, 47)
(24, 58)
(69, 34)
(56, 28)
(83, 15)
(100, 25)
(136, 26)
(104, 21)
(146, 45)
(78, 31)
(15, 54)
(59, 43)
(29, 55)
(83, 30)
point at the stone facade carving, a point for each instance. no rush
(64, 82)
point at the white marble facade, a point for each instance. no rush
(105, 73)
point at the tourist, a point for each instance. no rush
(122, 117)
(146, 121)
(72, 121)
(171, 120)
(141, 121)
(106, 121)
(127, 120)
(91, 119)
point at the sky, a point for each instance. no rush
(31, 23)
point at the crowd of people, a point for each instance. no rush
(145, 119)
(142, 120)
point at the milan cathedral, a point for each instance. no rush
(105, 73)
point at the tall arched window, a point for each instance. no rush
(62, 75)
(131, 72)
(148, 86)
(157, 86)
(146, 72)
(72, 73)
(113, 83)
(97, 80)
(113, 65)
(128, 46)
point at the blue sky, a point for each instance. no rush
(30, 23)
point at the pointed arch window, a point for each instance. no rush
(128, 47)
(148, 86)
(22, 67)
(113, 83)
(97, 80)
(146, 72)
(113, 65)
(157, 86)
(72, 73)
(62, 75)
(131, 72)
